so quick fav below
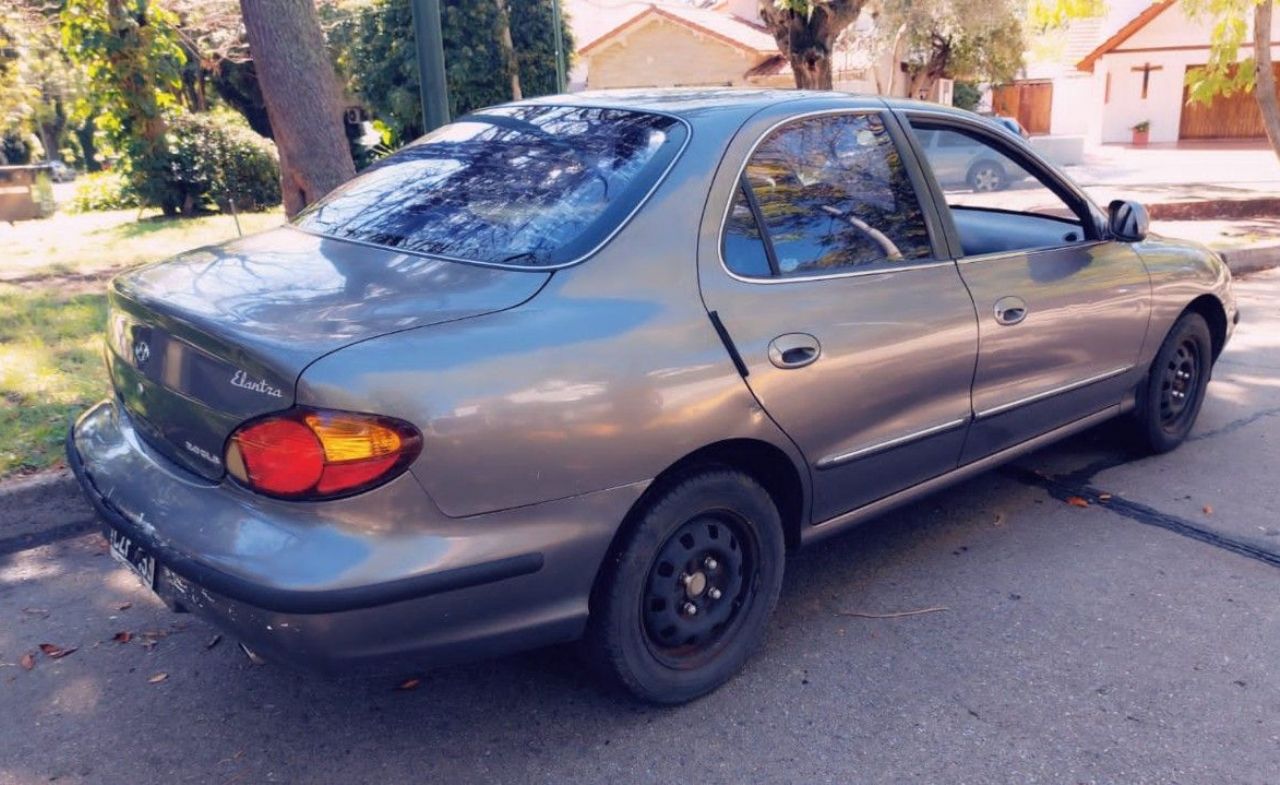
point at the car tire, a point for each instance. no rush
(1169, 399)
(686, 596)
(986, 176)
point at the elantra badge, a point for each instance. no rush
(242, 380)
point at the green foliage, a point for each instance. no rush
(1046, 14)
(979, 40)
(102, 191)
(207, 159)
(966, 95)
(131, 54)
(1225, 73)
(375, 51)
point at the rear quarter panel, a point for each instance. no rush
(608, 376)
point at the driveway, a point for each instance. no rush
(1079, 617)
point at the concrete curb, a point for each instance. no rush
(40, 509)
(1260, 207)
(1251, 260)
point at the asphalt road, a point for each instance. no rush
(1131, 641)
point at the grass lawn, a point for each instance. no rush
(53, 274)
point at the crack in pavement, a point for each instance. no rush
(1064, 487)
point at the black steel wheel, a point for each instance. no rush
(700, 582)
(1169, 400)
(686, 597)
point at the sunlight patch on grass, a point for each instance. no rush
(84, 243)
(51, 368)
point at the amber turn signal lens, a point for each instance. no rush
(319, 454)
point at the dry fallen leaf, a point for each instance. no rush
(409, 684)
(28, 661)
(55, 652)
(41, 612)
(124, 606)
(999, 521)
(214, 641)
(1104, 497)
(156, 679)
(1076, 501)
(122, 637)
(1208, 509)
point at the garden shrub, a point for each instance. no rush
(208, 159)
(103, 191)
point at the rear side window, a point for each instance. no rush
(519, 185)
(833, 194)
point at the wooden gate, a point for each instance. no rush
(1028, 102)
(1233, 116)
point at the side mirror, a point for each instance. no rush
(1128, 220)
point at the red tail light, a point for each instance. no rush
(320, 454)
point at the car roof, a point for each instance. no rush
(692, 103)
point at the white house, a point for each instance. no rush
(1139, 74)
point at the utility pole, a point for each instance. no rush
(559, 40)
(432, 86)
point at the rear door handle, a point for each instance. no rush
(794, 350)
(1010, 310)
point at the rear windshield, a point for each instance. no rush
(519, 185)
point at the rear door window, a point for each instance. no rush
(833, 195)
(528, 186)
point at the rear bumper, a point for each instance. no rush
(381, 580)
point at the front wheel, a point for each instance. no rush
(1170, 398)
(687, 596)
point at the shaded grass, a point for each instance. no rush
(51, 368)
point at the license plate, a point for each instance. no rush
(131, 555)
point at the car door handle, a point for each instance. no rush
(794, 350)
(1010, 310)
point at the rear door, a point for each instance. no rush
(1062, 310)
(857, 335)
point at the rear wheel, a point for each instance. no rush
(1170, 398)
(688, 595)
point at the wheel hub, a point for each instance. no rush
(1178, 384)
(696, 588)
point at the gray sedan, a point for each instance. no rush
(591, 366)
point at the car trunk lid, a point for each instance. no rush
(214, 337)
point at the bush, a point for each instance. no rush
(208, 159)
(103, 191)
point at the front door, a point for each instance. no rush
(1062, 311)
(859, 339)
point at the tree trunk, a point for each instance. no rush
(807, 38)
(88, 144)
(1265, 89)
(508, 48)
(301, 94)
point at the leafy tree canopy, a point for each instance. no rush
(380, 60)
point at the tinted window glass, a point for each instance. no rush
(524, 185)
(834, 194)
(744, 250)
(996, 205)
(973, 172)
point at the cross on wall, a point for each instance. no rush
(1146, 69)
